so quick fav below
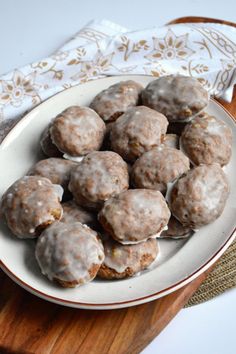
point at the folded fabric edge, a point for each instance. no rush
(107, 23)
(27, 74)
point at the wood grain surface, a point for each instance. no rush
(31, 325)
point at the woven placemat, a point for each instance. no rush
(222, 278)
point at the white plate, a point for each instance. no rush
(181, 260)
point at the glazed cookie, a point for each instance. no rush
(116, 99)
(178, 97)
(159, 166)
(135, 215)
(77, 131)
(69, 254)
(207, 140)
(56, 169)
(101, 175)
(171, 140)
(49, 149)
(176, 230)
(138, 130)
(30, 205)
(75, 213)
(122, 261)
(198, 198)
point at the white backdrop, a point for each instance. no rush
(30, 30)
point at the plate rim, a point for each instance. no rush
(127, 303)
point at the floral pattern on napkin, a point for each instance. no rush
(205, 51)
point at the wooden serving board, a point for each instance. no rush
(31, 325)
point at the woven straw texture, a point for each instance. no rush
(222, 278)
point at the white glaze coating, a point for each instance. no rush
(178, 97)
(199, 197)
(154, 236)
(77, 131)
(73, 158)
(101, 175)
(55, 169)
(207, 139)
(30, 202)
(119, 257)
(132, 134)
(116, 99)
(159, 166)
(75, 213)
(69, 252)
(135, 215)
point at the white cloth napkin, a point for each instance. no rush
(204, 50)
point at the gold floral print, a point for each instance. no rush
(197, 70)
(91, 35)
(59, 56)
(80, 53)
(219, 40)
(204, 46)
(170, 47)
(129, 47)
(194, 67)
(93, 68)
(205, 83)
(14, 90)
(225, 76)
(66, 86)
(40, 65)
(201, 51)
(57, 74)
(44, 67)
(155, 71)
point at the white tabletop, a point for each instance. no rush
(30, 30)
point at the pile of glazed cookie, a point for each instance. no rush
(139, 164)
